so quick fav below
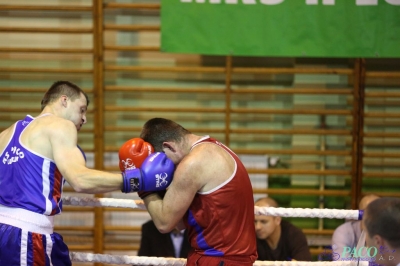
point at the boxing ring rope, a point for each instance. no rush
(104, 202)
(272, 211)
(142, 260)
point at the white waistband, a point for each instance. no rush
(27, 220)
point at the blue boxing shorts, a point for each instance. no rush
(27, 239)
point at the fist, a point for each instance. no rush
(155, 174)
(133, 152)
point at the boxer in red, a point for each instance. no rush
(211, 195)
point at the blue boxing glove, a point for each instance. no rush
(155, 174)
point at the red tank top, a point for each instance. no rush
(221, 222)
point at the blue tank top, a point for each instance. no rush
(28, 180)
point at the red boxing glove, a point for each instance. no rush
(133, 152)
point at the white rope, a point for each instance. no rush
(156, 261)
(131, 260)
(312, 263)
(313, 213)
(282, 212)
(104, 202)
(141, 260)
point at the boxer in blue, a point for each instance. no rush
(37, 155)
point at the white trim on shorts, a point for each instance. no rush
(24, 248)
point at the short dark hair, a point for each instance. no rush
(382, 217)
(158, 130)
(62, 88)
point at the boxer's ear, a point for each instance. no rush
(169, 146)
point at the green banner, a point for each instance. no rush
(294, 28)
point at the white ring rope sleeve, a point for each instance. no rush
(104, 202)
(156, 261)
(313, 213)
(271, 211)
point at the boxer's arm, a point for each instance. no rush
(181, 225)
(71, 163)
(167, 213)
